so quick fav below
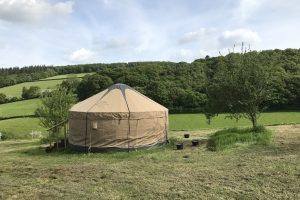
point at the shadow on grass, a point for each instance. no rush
(12, 143)
(69, 151)
(40, 151)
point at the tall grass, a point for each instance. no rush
(227, 138)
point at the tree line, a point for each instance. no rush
(15, 75)
(184, 87)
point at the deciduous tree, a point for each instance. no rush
(240, 86)
(54, 110)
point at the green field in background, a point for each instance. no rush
(20, 128)
(16, 90)
(198, 121)
(64, 76)
(19, 108)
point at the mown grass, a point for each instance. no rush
(19, 108)
(246, 172)
(65, 76)
(20, 128)
(16, 90)
(198, 121)
(227, 138)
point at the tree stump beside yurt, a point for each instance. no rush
(117, 118)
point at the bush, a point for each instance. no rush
(14, 99)
(31, 92)
(3, 98)
(4, 136)
(229, 137)
(172, 141)
(44, 140)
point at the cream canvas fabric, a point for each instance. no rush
(118, 117)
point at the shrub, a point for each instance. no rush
(172, 141)
(229, 137)
(14, 99)
(44, 140)
(3, 98)
(31, 92)
(4, 136)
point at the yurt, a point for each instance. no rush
(117, 118)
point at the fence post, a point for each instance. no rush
(50, 144)
(65, 132)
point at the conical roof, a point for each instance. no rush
(118, 98)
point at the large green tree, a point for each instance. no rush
(92, 84)
(70, 84)
(240, 86)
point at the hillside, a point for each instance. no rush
(50, 82)
(22, 112)
(179, 86)
(19, 108)
(67, 76)
(16, 90)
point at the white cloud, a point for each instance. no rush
(82, 55)
(237, 36)
(132, 30)
(32, 10)
(195, 35)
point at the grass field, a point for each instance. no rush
(245, 172)
(19, 108)
(16, 90)
(178, 122)
(65, 76)
(198, 121)
(21, 127)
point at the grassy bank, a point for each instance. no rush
(19, 108)
(227, 138)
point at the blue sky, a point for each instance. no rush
(58, 32)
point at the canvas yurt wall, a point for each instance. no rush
(118, 117)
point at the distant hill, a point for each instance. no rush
(50, 82)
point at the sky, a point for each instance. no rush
(61, 32)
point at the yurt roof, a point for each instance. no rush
(118, 98)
